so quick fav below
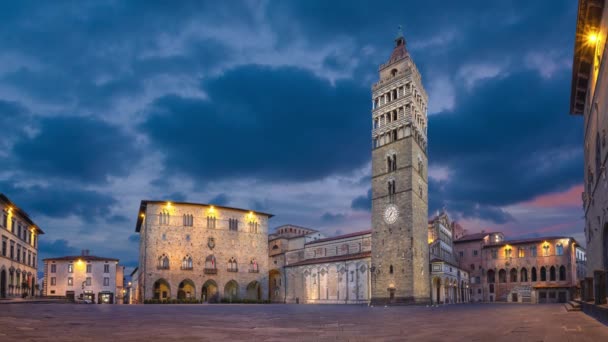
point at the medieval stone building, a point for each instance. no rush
(191, 250)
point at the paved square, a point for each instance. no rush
(467, 322)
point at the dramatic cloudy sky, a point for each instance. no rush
(266, 105)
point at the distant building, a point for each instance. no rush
(469, 252)
(449, 282)
(285, 246)
(535, 270)
(200, 251)
(85, 276)
(19, 255)
(589, 98)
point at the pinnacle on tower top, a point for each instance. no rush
(400, 39)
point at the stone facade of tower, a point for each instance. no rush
(400, 254)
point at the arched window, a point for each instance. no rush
(211, 222)
(491, 276)
(502, 276)
(552, 273)
(559, 249)
(233, 225)
(188, 220)
(391, 191)
(543, 274)
(233, 266)
(210, 262)
(393, 72)
(187, 263)
(513, 275)
(562, 273)
(253, 266)
(533, 275)
(523, 277)
(163, 217)
(390, 269)
(389, 164)
(163, 262)
(394, 162)
(253, 226)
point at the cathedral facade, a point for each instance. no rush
(400, 253)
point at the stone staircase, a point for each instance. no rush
(573, 305)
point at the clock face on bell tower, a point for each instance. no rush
(400, 259)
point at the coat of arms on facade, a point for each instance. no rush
(211, 242)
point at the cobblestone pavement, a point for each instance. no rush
(467, 322)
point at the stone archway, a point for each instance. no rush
(254, 291)
(231, 290)
(3, 283)
(162, 289)
(209, 293)
(186, 289)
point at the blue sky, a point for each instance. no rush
(267, 105)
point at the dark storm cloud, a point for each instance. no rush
(79, 149)
(363, 203)
(62, 201)
(279, 124)
(220, 199)
(508, 149)
(56, 248)
(328, 217)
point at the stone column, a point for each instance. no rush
(599, 287)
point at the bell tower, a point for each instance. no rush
(400, 254)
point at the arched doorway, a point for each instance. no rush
(3, 283)
(231, 290)
(162, 290)
(186, 289)
(275, 289)
(254, 291)
(209, 292)
(437, 289)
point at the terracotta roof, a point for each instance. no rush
(80, 257)
(332, 259)
(345, 236)
(473, 237)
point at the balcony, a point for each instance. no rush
(232, 269)
(186, 268)
(210, 271)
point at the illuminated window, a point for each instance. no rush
(70, 281)
(508, 252)
(546, 250)
(521, 252)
